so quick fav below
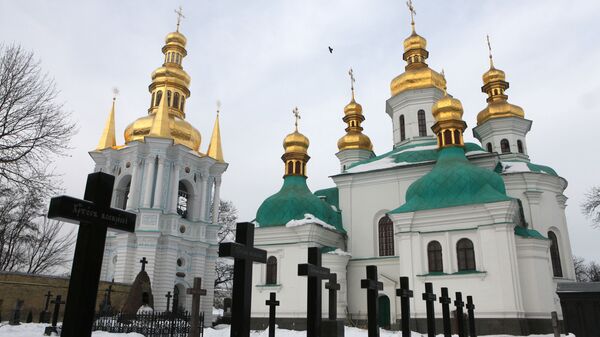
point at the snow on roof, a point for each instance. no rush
(389, 160)
(339, 252)
(309, 219)
(514, 166)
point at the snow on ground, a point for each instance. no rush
(37, 330)
(308, 219)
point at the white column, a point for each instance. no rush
(216, 200)
(149, 177)
(203, 196)
(133, 187)
(159, 183)
(174, 187)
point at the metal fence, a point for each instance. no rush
(152, 324)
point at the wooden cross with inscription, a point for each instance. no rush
(196, 292)
(405, 294)
(244, 254)
(333, 286)
(316, 273)
(373, 286)
(273, 303)
(94, 216)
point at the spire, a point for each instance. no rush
(160, 126)
(353, 117)
(108, 138)
(215, 150)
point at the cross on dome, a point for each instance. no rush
(296, 113)
(115, 93)
(352, 80)
(218, 106)
(490, 51)
(180, 15)
(412, 11)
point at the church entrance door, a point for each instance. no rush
(383, 304)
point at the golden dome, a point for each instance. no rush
(176, 38)
(415, 41)
(353, 108)
(494, 85)
(181, 131)
(499, 109)
(295, 142)
(354, 140)
(447, 108)
(493, 75)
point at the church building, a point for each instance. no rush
(163, 177)
(478, 218)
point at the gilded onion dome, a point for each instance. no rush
(494, 85)
(353, 117)
(170, 85)
(449, 126)
(295, 155)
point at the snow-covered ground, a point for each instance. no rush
(37, 330)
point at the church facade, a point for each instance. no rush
(478, 218)
(161, 175)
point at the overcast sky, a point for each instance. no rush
(261, 58)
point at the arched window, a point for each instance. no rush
(520, 146)
(158, 97)
(465, 255)
(504, 146)
(422, 126)
(402, 128)
(182, 101)
(271, 270)
(489, 147)
(447, 137)
(434, 257)
(169, 98)
(182, 200)
(555, 255)
(297, 168)
(152, 99)
(176, 100)
(386, 237)
(456, 137)
(290, 167)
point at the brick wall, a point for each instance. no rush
(32, 288)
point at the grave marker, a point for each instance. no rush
(196, 292)
(459, 304)
(144, 262)
(471, 311)
(273, 304)
(333, 327)
(52, 329)
(445, 300)
(429, 297)
(315, 273)
(244, 254)
(405, 294)
(95, 216)
(45, 314)
(373, 286)
(168, 296)
(15, 318)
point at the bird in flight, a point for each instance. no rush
(330, 50)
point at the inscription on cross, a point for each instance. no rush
(405, 294)
(273, 304)
(196, 292)
(373, 286)
(144, 262)
(94, 216)
(445, 300)
(315, 273)
(244, 254)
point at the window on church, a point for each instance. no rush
(489, 147)
(434, 257)
(422, 125)
(176, 100)
(158, 97)
(182, 200)
(504, 146)
(447, 137)
(297, 168)
(456, 137)
(465, 255)
(271, 270)
(555, 255)
(386, 237)
(169, 97)
(402, 128)
(520, 146)
(182, 102)
(152, 99)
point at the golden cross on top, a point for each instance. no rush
(352, 80)
(115, 93)
(490, 51)
(218, 107)
(412, 11)
(296, 113)
(180, 15)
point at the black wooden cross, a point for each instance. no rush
(244, 254)
(45, 315)
(458, 302)
(429, 297)
(52, 329)
(405, 294)
(471, 311)
(445, 300)
(47, 296)
(168, 296)
(273, 304)
(333, 287)
(144, 262)
(95, 216)
(196, 292)
(315, 273)
(373, 286)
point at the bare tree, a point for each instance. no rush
(224, 267)
(591, 206)
(49, 248)
(593, 272)
(580, 269)
(33, 126)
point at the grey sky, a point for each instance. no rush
(263, 57)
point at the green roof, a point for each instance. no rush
(528, 233)
(330, 195)
(292, 202)
(516, 166)
(453, 181)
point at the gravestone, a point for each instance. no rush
(168, 296)
(471, 311)
(45, 314)
(445, 300)
(49, 330)
(140, 292)
(227, 306)
(273, 303)
(429, 298)
(94, 216)
(29, 317)
(196, 292)
(460, 319)
(555, 325)
(244, 254)
(373, 286)
(405, 294)
(332, 327)
(315, 274)
(15, 317)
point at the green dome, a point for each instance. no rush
(453, 182)
(292, 202)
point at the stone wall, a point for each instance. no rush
(32, 288)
